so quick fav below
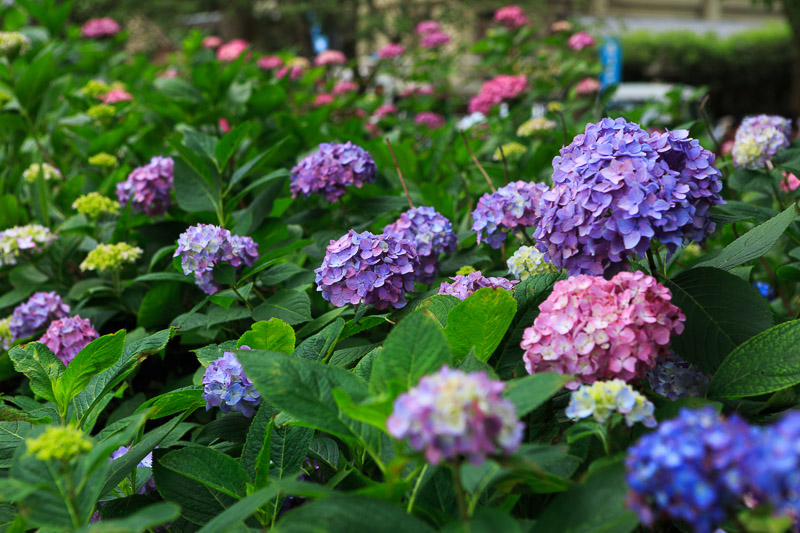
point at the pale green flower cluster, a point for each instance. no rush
(95, 88)
(602, 398)
(95, 205)
(13, 42)
(528, 261)
(48, 172)
(110, 256)
(465, 270)
(60, 443)
(5, 334)
(511, 150)
(32, 239)
(535, 125)
(100, 111)
(103, 160)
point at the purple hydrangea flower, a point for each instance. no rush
(452, 414)
(331, 169)
(690, 469)
(67, 336)
(510, 208)
(225, 385)
(616, 188)
(147, 462)
(758, 139)
(674, 378)
(463, 286)
(774, 466)
(148, 188)
(430, 232)
(203, 246)
(38, 311)
(366, 268)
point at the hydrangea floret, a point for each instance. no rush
(225, 385)
(527, 261)
(14, 43)
(100, 27)
(95, 88)
(391, 51)
(331, 169)
(429, 119)
(758, 139)
(512, 17)
(512, 150)
(30, 240)
(94, 205)
(510, 208)
(101, 111)
(598, 329)
(432, 235)
(773, 468)
(61, 443)
(231, 50)
(148, 188)
(464, 285)
(497, 90)
(330, 57)
(46, 171)
(434, 40)
(67, 336)
(452, 414)
(535, 125)
(103, 159)
(6, 338)
(580, 40)
(35, 313)
(675, 379)
(601, 399)
(107, 257)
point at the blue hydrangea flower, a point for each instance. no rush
(204, 246)
(225, 385)
(510, 208)
(691, 469)
(432, 235)
(147, 462)
(35, 313)
(366, 268)
(774, 466)
(602, 398)
(331, 169)
(674, 378)
(464, 285)
(764, 289)
(758, 139)
(616, 188)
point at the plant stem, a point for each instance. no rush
(242, 298)
(459, 490)
(417, 485)
(400, 174)
(708, 123)
(477, 163)
(651, 262)
(505, 164)
(526, 236)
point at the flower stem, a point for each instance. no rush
(417, 485)
(242, 298)
(458, 487)
(505, 163)
(477, 163)
(400, 174)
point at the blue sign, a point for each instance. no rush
(611, 58)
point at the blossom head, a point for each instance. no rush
(498, 89)
(527, 261)
(430, 232)
(94, 205)
(61, 443)
(675, 379)
(512, 150)
(758, 139)
(580, 40)
(383, 112)
(30, 240)
(512, 17)
(95, 88)
(391, 51)
(107, 257)
(534, 126)
(345, 87)
(508, 209)
(430, 120)
(117, 95)
(67, 336)
(35, 313)
(365, 268)
(598, 329)
(434, 40)
(331, 169)
(211, 41)
(603, 398)
(269, 62)
(464, 285)
(330, 57)
(14, 43)
(690, 469)
(587, 86)
(323, 99)
(148, 188)
(100, 28)
(616, 188)
(6, 337)
(225, 385)
(231, 50)
(774, 467)
(46, 171)
(790, 182)
(101, 111)
(103, 159)
(427, 27)
(204, 246)
(452, 414)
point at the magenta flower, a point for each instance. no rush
(270, 62)
(212, 41)
(580, 40)
(463, 286)
(391, 50)
(231, 50)
(512, 17)
(497, 90)
(35, 313)
(330, 57)
(345, 87)
(430, 120)
(383, 112)
(587, 86)
(789, 182)
(427, 27)
(99, 28)
(148, 188)
(434, 40)
(67, 336)
(116, 95)
(224, 125)
(323, 99)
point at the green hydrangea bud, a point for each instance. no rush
(60, 443)
(535, 125)
(110, 256)
(95, 205)
(511, 150)
(48, 172)
(6, 338)
(465, 270)
(95, 88)
(13, 43)
(103, 160)
(528, 261)
(100, 111)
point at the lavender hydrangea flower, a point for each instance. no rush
(690, 469)
(452, 414)
(147, 462)
(430, 232)
(148, 188)
(204, 246)
(365, 268)
(616, 188)
(67, 336)
(774, 466)
(674, 378)
(331, 169)
(30, 239)
(758, 139)
(508, 209)
(463, 286)
(225, 385)
(38, 311)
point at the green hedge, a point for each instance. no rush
(749, 72)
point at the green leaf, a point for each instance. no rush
(237, 513)
(288, 450)
(765, 363)
(153, 515)
(753, 244)
(415, 347)
(291, 306)
(273, 335)
(178, 89)
(257, 438)
(230, 143)
(40, 366)
(192, 192)
(438, 307)
(530, 392)
(480, 321)
(175, 401)
(316, 347)
(722, 311)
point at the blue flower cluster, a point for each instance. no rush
(774, 466)
(674, 378)
(35, 313)
(759, 138)
(616, 188)
(225, 385)
(331, 169)
(366, 268)
(510, 208)
(430, 232)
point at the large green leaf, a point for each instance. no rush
(273, 335)
(530, 392)
(317, 347)
(480, 322)
(175, 401)
(722, 311)
(192, 192)
(156, 514)
(291, 306)
(258, 438)
(40, 366)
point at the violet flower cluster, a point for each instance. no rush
(67, 336)
(616, 188)
(430, 232)
(510, 208)
(773, 468)
(365, 268)
(30, 239)
(148, 188)
(150, 484)
(598, 329)
(35, 313)
(497, 90)
(204, 246)
(759, 138)
(675, 379)
(225, 385)
(453, 414)
(464, 285)
(331, 169)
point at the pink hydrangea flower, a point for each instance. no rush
(561, 25)
(67, 336)
(231, 50)
(345, 87)
(424, 90)
(323, 99)
(330, 57)
(383, 112)
(434, 40)
(428, 26)
(598, 329)
(98, 28)
(512, 17)
(429, 119)
(117, 95)
(495, 91)
(587, 86)
(270, 62)
(223, 125)
(789, 182)
(580, 40)
(391, 50)
(212, 41)
(171, 72)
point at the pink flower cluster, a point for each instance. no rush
(231, 50)
(345, 87)
(391, 50)
(431, 34)
(494, 91)
(417, 90)
(512, 17)
(67, 336)
(789, 182)
(116, 95)
(598, 329)
(330, 57)
(99, 28)
(323, 99)
(430, 120)
(587, 86)
(580, 40)
(426, 27)
(212, 41)
(270, 62)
